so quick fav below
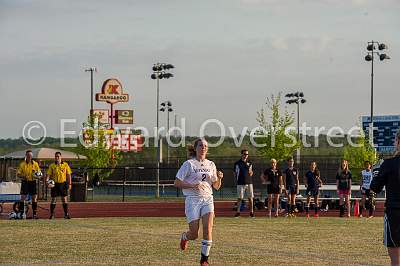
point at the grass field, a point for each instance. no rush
(155, 241)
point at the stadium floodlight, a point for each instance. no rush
(370, 58)
(297, 98)
(167, 107)
(159, 73)
(91, 70)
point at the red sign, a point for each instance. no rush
(112, 92)
(125, 142)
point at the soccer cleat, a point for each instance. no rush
(276, 215)
(237, 215)
(369, 217)
(360, 216)
(184, 243)
(252, 215)
(51, 217)
(67, 216)
(35, 217)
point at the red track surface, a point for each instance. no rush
(149, 209)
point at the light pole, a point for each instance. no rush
(91, 70)
(297, 98)
(167, 107)
(370, 57)
(159, 72)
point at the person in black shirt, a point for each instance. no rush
(313, 182)
(343, 183)
(291, 184)
(389, 177)
(243, 171)
(273, 178)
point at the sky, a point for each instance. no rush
(229, 56)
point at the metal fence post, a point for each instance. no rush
(123, 184)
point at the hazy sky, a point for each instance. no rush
(229, 56)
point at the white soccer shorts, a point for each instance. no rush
(196, 207)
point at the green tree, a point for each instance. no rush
(274, 139)
(96, 150)
(357, 154)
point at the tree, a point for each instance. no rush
(96, 150)
(357, 154)
(275, 139)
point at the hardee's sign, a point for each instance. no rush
(112, 92)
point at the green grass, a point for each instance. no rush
(154, 241)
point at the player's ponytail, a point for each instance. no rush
(191, 151)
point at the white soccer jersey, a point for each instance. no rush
(366, 178)
(193, 172)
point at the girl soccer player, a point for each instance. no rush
(273, 178)
(343, 183)
(365, 190)
(197, 177)
(312, 182)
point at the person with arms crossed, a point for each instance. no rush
(313, 182)
(243, 171)
(60, 173)
(273, 178)
(197, 177)
(343, 184)
(389, 177)
(291, 184)
(29, 172)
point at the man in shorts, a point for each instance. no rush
(243, 171)
(60, 173)
(29, 172)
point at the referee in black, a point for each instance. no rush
(389, 176)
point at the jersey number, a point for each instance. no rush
(204, 177)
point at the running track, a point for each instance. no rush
(148, 209)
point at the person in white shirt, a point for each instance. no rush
(366, 192)
(197, 177)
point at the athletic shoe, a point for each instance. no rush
(276, 215)
(35, 217)
(360, 216)
(252, 215)
(184, 243)
(316, 215)
(204, 263)
(369, 217)
(51, 217)
(308, 215)
(67, 216)
(237, 215)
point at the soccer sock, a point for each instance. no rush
(239, 205)
(341, 210)
(316, 208)
(21, 207)
(307, 209)
(205, 249)
(52, 207)
(65, 207)
(34, 208)
(289, 208)
(371, 210)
